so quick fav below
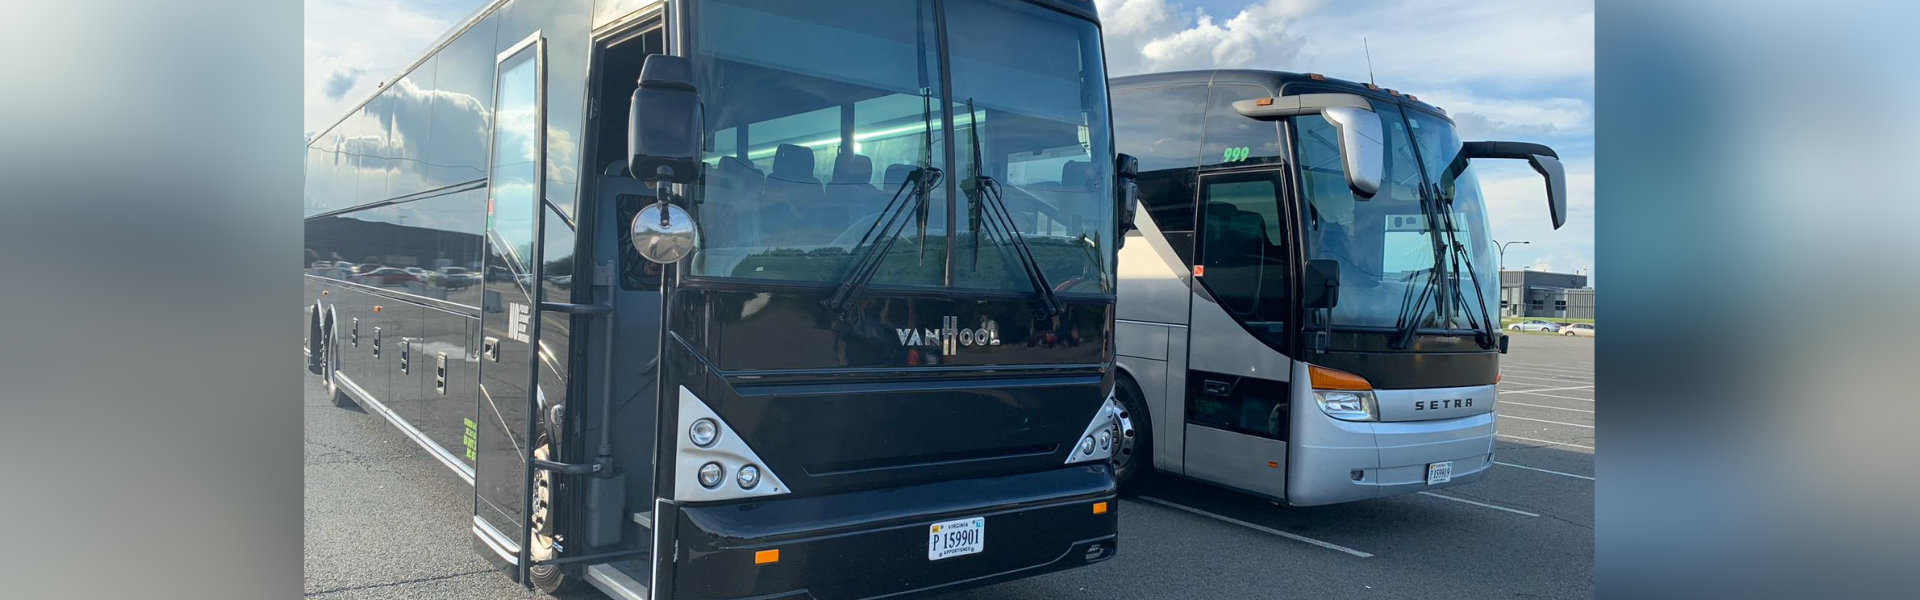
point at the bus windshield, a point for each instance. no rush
(1387, 246)
(817, 114)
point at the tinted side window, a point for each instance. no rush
(1234, 140)
(1243, 245)
(462, 99)
(1161, 127)
(409, 105)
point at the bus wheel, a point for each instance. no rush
(1133, 449)
(546, 578)
(314, 358)
(330, 349)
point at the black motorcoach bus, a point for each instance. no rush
(740, 298)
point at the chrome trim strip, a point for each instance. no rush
(616, 584)
(530, 40)
(446, 306)
(445, 457)
(444, 190)
(1139, 322)
(496, 541)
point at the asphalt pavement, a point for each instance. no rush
(385, 520)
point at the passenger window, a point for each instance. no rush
(1243, 246)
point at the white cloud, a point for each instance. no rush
(351, 45)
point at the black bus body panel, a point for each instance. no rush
(833, 406)
(873, 543)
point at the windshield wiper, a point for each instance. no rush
(872, 248)
(990, 207)
(874, 244)
(1412, 308)
(1484, 328)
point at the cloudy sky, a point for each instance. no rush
(1517, 70)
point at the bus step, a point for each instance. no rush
(621, 580)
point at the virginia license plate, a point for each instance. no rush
(956, 538)
(1440, 472)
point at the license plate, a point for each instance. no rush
(1440, 472)
(956, 538)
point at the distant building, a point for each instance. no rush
(1545, 295)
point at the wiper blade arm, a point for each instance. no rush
(996, 215)
(879, 238)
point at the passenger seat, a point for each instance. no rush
(791, 191)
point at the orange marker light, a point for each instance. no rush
(766, 556)
(1497, 376)
(376, 308)
(1099, 508)
(1199, 270)
(1328, 379)
(1263, 102)
(1316, 77)
(324, 292)
(1273, 465)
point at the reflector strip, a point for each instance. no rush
(766, 556)
(1099, 508)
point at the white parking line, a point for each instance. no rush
(1259, 528)
(1523, 371)
(1528, 439)
(1504, 377)
(1560, 473)
(1538, 390)
(1466, 501)
(1512, 403)
(1550, 395)
(1546, 421)
(1547, 368)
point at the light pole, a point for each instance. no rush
(1503, 252)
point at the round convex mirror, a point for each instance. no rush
(664, 239)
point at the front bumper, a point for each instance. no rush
(1391, 457)
(871, 544)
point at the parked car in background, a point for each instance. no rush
(459, 278)
(386, 276)
(1578, 329)
(1534, 325)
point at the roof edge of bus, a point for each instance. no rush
(1273, 80)
(434, 48)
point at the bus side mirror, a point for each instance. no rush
(1543, 159)
(1320, 285)
(1127, 169)
(663, 129)
(1363, 148)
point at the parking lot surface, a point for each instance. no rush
(384, 520)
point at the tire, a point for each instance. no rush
(546, 578)
(314, 341)
(330, 363)
(1133, 449)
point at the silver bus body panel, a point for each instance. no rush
(1435, 403)
(1152, 279)
(1217, 343)
(1237, 460)
(1391, 456)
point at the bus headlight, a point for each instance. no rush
(710, 474)
(704, 432)
(1346, 405)
(749, 476)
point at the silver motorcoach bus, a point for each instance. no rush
(1308, 312)
(740, 298)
